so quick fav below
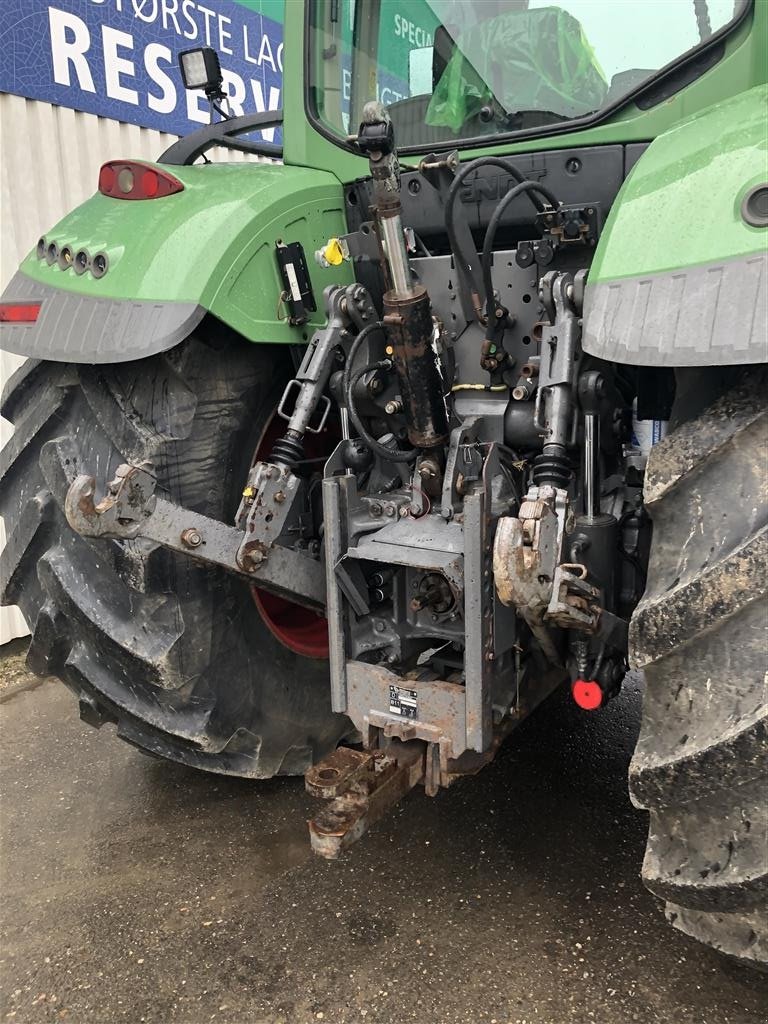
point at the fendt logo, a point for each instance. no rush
(493, 186)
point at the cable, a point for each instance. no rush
(479, 387)
(450, 203)
(525, 186)
(390, 454)
(348, 382)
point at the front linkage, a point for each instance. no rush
(464, 568)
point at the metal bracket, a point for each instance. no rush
(361, 786)
(575, 604)
(130, 509)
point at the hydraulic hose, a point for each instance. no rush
(461, 257)
(529, 187)
(348, 382)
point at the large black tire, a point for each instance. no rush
(176, 654)
(701, 762)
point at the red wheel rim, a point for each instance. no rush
(298, 628)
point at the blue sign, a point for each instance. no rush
(118, 58)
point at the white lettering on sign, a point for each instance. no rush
(70, 41)
(115, 65)
(141, 74)
(411, 32)
(165, 103)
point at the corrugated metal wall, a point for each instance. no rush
(49, 162)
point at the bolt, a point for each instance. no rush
(393, 407)
(379, 626)
(376, 386)
(375, 509)
(191, 538)
(389, 510)
(279, 497)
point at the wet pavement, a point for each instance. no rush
(139, 891)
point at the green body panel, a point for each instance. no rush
(212, 244)
(681, 205)
(743, 65)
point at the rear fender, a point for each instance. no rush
(171, 260)
(680, 276)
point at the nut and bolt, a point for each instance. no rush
(252, 559)
(393, 407)
(191, 538)
(279, 497)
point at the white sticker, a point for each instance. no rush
(403, 702)
(293, 282)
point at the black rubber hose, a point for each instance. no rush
(390, 454)
(528, 187)
(348, 382)
(450, 203)
(366, 332)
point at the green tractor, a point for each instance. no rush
(340, 462)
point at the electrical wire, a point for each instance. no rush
(479, 387)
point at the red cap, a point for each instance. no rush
(587, 694)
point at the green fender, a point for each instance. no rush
(680, 275)
(209, 248)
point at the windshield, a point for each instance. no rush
(450, 70)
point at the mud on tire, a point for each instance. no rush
(701, 762)
(176, 654)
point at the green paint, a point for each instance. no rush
(212, 244)
(681, 205)
(274, 9)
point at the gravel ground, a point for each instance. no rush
(139, 891)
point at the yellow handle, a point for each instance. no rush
(333, 253)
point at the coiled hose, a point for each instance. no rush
(349, 381)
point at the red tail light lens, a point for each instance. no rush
(19, 312)
(129, 179)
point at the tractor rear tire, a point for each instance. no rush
(701, 762)
(175, 653)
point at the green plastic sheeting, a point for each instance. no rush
(523, 60)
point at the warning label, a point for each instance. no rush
(403, 702)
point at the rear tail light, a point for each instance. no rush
(19, 312)
(128, 179)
